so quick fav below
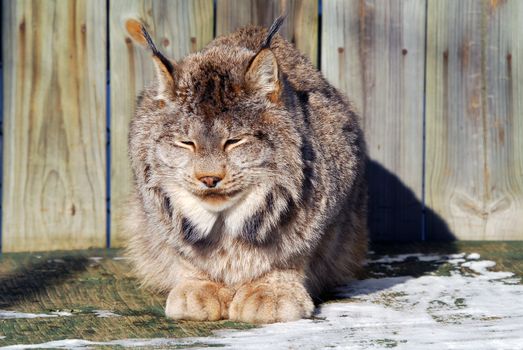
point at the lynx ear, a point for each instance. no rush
(165, 68)
(262, 75)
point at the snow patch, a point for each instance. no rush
(481, 268)
(61, 313)
(105, 313)
(473, 256)
(86, 344)
(6, 314)
(476, 311)
(403, 257)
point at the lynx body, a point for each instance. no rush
(250, 197)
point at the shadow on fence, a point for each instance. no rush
(395, 213)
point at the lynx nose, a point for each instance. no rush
(210, 181)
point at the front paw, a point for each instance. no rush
(269, 303)
(198, 301)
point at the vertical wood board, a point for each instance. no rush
(474, 118)
(504, 121)
(300, 26)
(178, 28)
(54, 58)
(374, 52)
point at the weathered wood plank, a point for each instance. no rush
(178, 28)
(300, 26)
(374, 52)
(54, 122)
(474, 127)
(504, 121)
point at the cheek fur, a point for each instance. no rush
(173, 157)
(252, 155)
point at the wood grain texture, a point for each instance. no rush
(474, 118)
(374, 52)
(504, 121)
(300, 26)
(178, 28)
(54, 124)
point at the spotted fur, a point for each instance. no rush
(287, 220)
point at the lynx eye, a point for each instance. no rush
(186, 144)
(231, 143)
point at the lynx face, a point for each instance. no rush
(217, 144)
(217, 160)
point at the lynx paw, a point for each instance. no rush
(269, 303)
(198, 301)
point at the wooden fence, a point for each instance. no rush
(439, 83)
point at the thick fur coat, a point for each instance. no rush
(250, 194)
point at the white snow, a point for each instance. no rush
(481, 268)
(105, 313)
(95, 258)
(473, 256)
(402, 257)
(4, 314)
(7, 314)
(473, 308)
(61, 313)
(86, 344)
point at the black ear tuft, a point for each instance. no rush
(166, 62)
(276, 25)
(149, 41)
(164, 67)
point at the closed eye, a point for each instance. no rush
(230, 143)
(186, 144)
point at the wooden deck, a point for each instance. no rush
(74, 290)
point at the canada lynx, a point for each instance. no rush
(250, 196)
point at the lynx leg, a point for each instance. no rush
(277, 297)
(199, 301)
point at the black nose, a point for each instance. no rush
(210, 181)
